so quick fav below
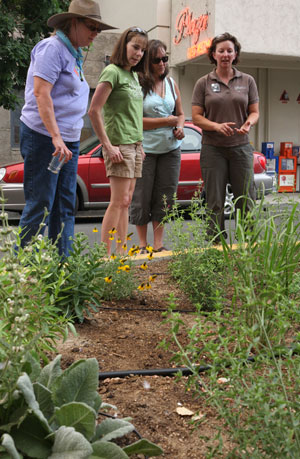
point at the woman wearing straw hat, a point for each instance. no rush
(56, 99)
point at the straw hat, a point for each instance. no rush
(88, 9)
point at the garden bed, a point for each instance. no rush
(124, 335)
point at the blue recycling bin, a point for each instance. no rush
(267, 148)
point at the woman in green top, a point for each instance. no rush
(121, 134)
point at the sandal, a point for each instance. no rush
(162, 249)
(143, 251)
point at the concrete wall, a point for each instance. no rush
(95, 58)
(5, 142)
(284, 118)
(196, 8)
(266, 26)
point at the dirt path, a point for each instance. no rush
(124, 335)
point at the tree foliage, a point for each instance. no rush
(22, 24)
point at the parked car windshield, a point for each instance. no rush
(192, 140)
(88, 144)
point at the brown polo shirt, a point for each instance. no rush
(225, 103)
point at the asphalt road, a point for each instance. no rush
(91, 226)
(89, 222)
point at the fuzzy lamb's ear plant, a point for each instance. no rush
(57, 417)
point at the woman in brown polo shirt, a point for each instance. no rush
(225, 106)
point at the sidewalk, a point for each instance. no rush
(282, 198)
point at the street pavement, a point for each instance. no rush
(89, 222)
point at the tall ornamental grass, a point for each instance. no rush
(250, 344)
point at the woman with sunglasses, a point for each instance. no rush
(120, 96)
(163, 131)
(56, 98)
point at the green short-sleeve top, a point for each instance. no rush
(123, 110)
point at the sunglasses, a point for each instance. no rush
(156, 60)
(139, 30)
(92, 28)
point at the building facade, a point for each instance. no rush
(267, 31)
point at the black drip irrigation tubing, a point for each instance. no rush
(185, 371)
(146, 309)
(150, 372)
(167, 372)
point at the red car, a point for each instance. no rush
(93, 190)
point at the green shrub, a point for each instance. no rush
(54, 412)
(29, 318)
(196, 265)
(252, 345)
(200, 274)
(47, 412)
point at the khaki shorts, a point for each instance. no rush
(130, 167)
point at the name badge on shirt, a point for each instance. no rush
(215, 87)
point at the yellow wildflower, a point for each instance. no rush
(150, 256)
(129, 236)
(108, 279)
(95, 230)
(112, 231)
(122, 261)
(133, 250)
(149, 248)
(111, 238)
(124, 246)
(152, 278)
(144, 266)
(148, 286)
(141, 287)
(113, 256)
(118, 241)
(124, 268)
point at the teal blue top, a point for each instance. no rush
(160, 140)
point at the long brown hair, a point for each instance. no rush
(119, 54)
(146, 78)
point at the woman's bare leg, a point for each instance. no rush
(158, 233)
(116, 215)
(142, 234)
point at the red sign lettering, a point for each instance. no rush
(187, 26)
